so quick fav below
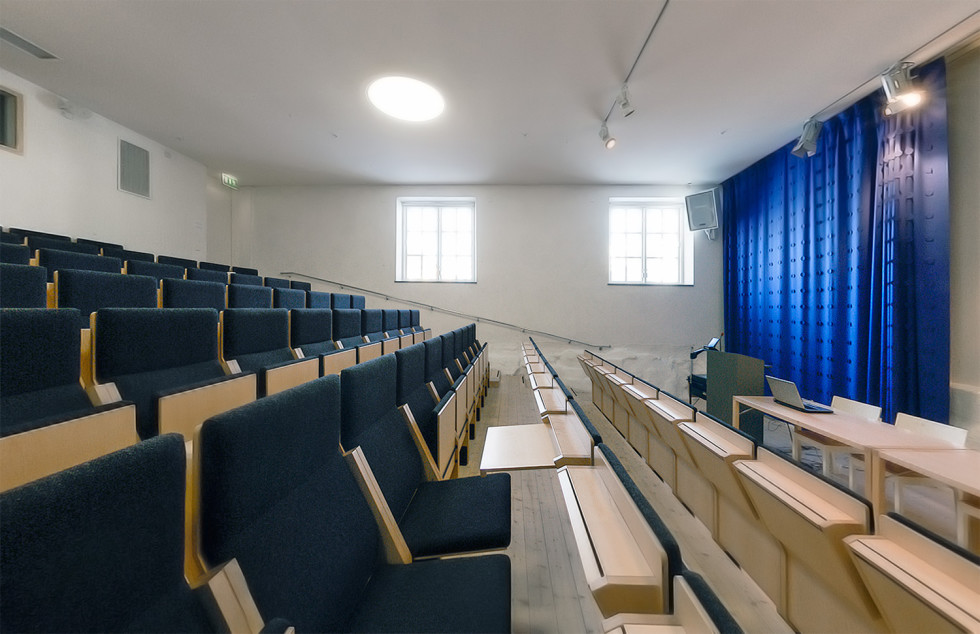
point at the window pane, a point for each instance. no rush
(464, 220)
(617, 269)
(430, 269)
(413, 243)
(437, 241)
(617, 220)
(634, 221)
(449, 219)
(430, 219)
(413, 266)
(634, 269)
(634, 245)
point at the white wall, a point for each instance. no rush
(65, 182)
(963, 80)
(541, 260)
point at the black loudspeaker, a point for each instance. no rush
(702, 209)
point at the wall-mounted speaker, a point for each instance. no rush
(702, 209)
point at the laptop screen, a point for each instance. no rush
(784, 391)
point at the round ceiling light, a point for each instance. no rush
(406, 98)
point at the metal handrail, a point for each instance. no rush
(446, 311)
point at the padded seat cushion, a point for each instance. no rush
(448, 595)
(315, 349)
(15, 254)
(461, 515)
(31, 410)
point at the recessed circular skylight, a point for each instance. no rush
(406, 98)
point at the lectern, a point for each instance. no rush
(731, 374)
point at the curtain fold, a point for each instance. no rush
(837, 266)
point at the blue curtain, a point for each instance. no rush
(837, 265)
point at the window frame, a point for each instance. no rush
(403, 204)
(17, 128)
(685, 240)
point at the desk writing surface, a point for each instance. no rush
(959, 468)
(514, 447)
(639, 391)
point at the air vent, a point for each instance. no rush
(134, 169)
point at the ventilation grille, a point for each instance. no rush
(134, 169)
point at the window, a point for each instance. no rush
(649, 242)
(11, 121)
(436, 240)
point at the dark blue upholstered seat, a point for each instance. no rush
(154, 269)
(389, 321)
(357, 301)
(434, 372)
(126, 255)
(276, 282)
(311, 330)
(300, 286)
(15, 254)
(318, 299)
(240, 296)
(372, 324)
(716, 610)
(43, 234)
(88, 291)
(245, 270)
(413, 390)
(39, 369)
(279, 497)
(99, 547)
(181, 262)
(40, 242)
(675, 565)
(248, 280)
(214, 266)
(416, 320)
(23, 286)
(405, 320)
(11, 238)
(193, 294)
(347, 327)
(55, 260)
(100, 243)
(339, 300)
(257, 338)
(151, 352)
(436, 518)
(288, 298)
(207, 275)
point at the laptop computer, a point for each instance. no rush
(786, 393)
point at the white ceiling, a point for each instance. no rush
(273, 91)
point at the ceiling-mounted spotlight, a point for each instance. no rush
(624, 101)
(807, 145)
(608, 141)
(900, 91)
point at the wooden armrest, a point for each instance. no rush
(290, 375)
(368, 351)
(183, 411)
(336, 362)
(395, 548)
(573, 442)
(228, 601)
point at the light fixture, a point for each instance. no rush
(406, 98)
(608, 141)
(624, 101)
(900, 91)
(807, 145)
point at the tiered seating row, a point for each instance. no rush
(804, 539)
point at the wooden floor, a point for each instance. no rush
(549, 591)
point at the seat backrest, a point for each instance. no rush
(247, 280)
(39, 367)
(404, 319)
(864, 410)
(42, 234)
(240, 296)
(389, 322)
(40, 242)
(23, 286)
(99, 547)
(255, 337)
(277, 495)
(55, 260)
(193, 294)
(245, 270)
(347, 326)
(339, 300)
(589, 427)
(15, 254)
(207, 275)
(214, 266)
(434, 365)
(926, 427)
(318, 299)
(276, 282)
(370, 420)
(311, 327)
(88, 291)
(357, 301)
(181, 262)
(11, 238)
(371, 321)
(99, 243)
(127, 255)
(288, 298)
(301, 286)
(154, 269)
(416, 318)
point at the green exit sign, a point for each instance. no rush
(229, 181)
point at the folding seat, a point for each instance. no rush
(97, 548)
(276, 282)
(242, 278)
(39, 242)
(214, 266)
(347, 332)
(278, 496)
(55, 260)
(415, 394)
(241, 296)
(166, 361)
(311, 332)
(390, 326)
(192, 294)
(23, 286)
(372, 327)
(288, 298)
(339, 300)
(244, 270)
(47, 421)
(417, 325)
(300, 286)
(257, 340)
(88, 291)
(182, 262)
(15, 254)
(357, 301)
(206, 275)
(154, 269)
(11, 238)
(434, 517)
(318, 299)
(124, 254)
(102, 245)
(435, 370)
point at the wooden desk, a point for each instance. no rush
(516, 447)
(866, 437)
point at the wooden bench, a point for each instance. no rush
(625, 565)
(666, 447)
(560, 440)
(810, 518)
(692, 613)
(919, 584)
(639, 428)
